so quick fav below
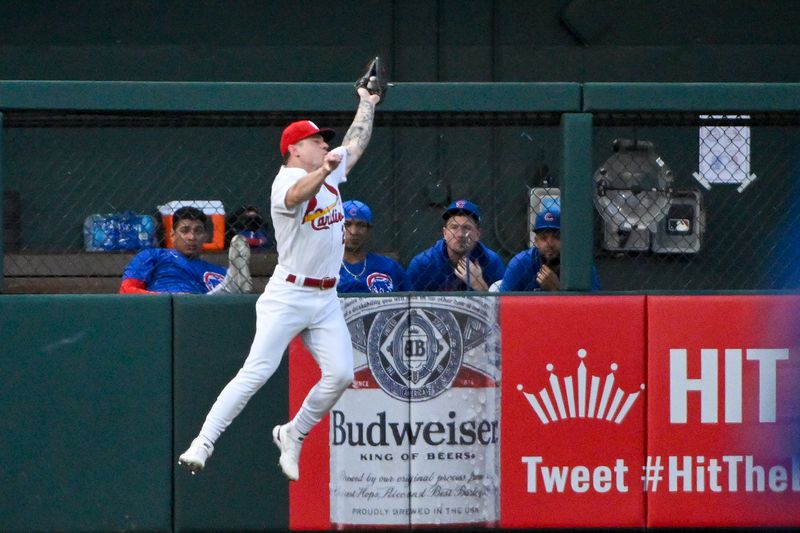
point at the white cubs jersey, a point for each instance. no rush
(310, 236)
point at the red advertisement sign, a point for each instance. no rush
(414, 441)
(723, 421)
(615, 411)
(309, 498)
(573, 412)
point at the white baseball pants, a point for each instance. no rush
(283, 311)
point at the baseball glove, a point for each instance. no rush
(374, 79)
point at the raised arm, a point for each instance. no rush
(310, 184)
(358, 135)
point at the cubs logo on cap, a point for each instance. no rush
(463, 207)
(353, 209)
(549, 218)
(302, 129)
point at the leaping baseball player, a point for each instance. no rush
(300, 297)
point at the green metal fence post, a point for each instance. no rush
(576, 202)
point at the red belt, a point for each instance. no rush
(324, 283)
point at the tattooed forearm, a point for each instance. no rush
(360, 131)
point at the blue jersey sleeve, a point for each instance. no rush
(142, 266)
(395, 273)
(418, 279)
(165, 270)
(401, 278)
(495, 269)
(432, 271)
(520, 274)
(347, 283)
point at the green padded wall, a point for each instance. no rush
(425, 40)
(242, 487)
(85, 422)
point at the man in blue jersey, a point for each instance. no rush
(364, 271)
(538, 268)
(180, 270)
(459, 261)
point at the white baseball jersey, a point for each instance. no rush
(310, 236)
(310, 241)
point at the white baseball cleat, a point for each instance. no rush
(194, 459)
(239, 266)
(289, 442)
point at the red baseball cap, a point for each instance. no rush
(302, 129)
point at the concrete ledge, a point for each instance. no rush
(30, 264)
(97, 272)
(81, 284)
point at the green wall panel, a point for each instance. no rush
(242, 487)
(440, 40)
(85, 422)
(690, 96)
(300, 97)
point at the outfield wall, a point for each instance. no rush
(103, 392)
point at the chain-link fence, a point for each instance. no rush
(87, 186)
(697, 201)
(684, 201)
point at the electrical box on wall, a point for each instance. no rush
(632, 194)
(680, 232)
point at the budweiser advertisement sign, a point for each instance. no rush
(612, 411)
(415, 440)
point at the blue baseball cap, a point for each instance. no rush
(463, 207)
(357, 210)
(549, 218)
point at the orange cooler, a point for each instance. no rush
(212, 208)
